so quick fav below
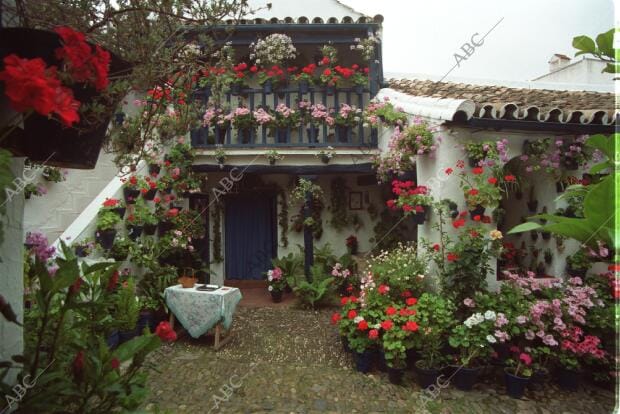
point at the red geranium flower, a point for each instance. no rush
(449, 171)
(113, 281)
(474, 233)
(353, 299)
(75, 287)
(458, 223)
(492, 180)
(325, 60)
(383, 289)
(352, 314)
(344, 300)
(362, 325)
(157, 200)
(473, 192)
(115, 363)
(436, 247)
(373, 334)
(452, 257)
(477, 217)
(165, 332)
(78, 365)
(335, 318)
(510, 178)
(477, 170)
(406, 294)
(486, 219)
(387, 325)
(460, 164)
(110, 202)
(411, 301)
(410, 326)
(390, 311)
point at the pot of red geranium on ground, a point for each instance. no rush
(276, 284)
(517, 374)
(435, 315)
(131, 188)
(399, 328)
(352, 245)
(473, 339)
(574, 347)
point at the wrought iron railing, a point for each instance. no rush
(302, 136)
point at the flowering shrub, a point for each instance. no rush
(481, 188)
(487, 153)
(400, 269)
(474, 337)
(242, 118)
(384, 112)
(275, 49)
(417, 139)
(435, 314)
(348, 115)
(285, 117)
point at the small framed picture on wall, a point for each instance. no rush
(355, 200)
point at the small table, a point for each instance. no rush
(200, 311)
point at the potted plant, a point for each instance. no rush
(84, 247)
(120, 249)
(116, 205)
(352, 244)
(480, 191)
(413, 200)
(148, 188)
(315, 116)
(243, 120)
(273, 156)
(31, 189)
(348, 116)
(517, 374)
(276, 284)
(399, 329)
(128, 309)
(548, 256)
(473, 339)
(131, 188)
(416, 139)
(306, 77)
(478, 152)
(149, 221)
(220, 156)
(54, 174)
(106, 228)
(435, 315)
(359, 79)
(578, 264)
(326, 155)
(146, 318)
(283, 120)
(135, 220)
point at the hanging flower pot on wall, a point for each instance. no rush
(46, 140)
(303, 87)
(478, 211)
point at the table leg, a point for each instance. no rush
(219, 341)
(171, 320)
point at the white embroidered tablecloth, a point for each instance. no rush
(198, 311)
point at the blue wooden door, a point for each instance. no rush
(250, 235)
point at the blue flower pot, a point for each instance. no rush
(268, 87)
(465, 378)
(113, 340)
(515, 386)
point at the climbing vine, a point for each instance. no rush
(283, 218)
(216, 215)
(340, 217)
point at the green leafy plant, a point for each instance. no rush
(480, 151)
(480, 188)
(339, 207)
(312, 293)
(579, 261)
(435, 315)
(107, 219)
(127, 306)
(602, 49)
(54, 174)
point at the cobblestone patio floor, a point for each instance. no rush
(291, 361)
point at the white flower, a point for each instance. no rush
(270, 278)
(474, 319)
(491, 339)
(490, 315)
(270, 288)
(358, 319)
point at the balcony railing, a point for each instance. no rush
(302, 136)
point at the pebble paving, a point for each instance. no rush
(291, 361)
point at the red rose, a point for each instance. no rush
(115, 363)
(165, 332)
(390, 311)
(411, 301)
(492, 180)
(335, 318)
(477, 170)
(362, 325)
(373, 334)
(352, 314)
(387, 325)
